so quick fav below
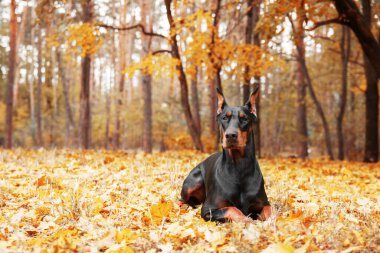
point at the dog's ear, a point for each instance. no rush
(221, 101)
(251, 103)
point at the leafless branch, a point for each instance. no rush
(136, 26)
(162, 51)
(239, 19)
(322, 38)
(288, 57)
(355, 61)
(338, 20)
(291, 22)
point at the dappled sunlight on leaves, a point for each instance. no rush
(84, 39)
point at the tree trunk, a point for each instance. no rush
(11, 76)
(85, 117)
(106, 89)
(212, 104)
(302, 67)
(85, 105)
(112, 91)
(214, 134)
(256, 42)
(147, 94)
(195, 99)
(20, 39)
(39, 87)
(302, 136)
(216, 82)
(256, 127)
(193, 131)
(351, 146)
(69, 121)
(345, 45)
(49, 88)
(248, 40)
(48, 95)
(371, 148)
(147, 79)
(351, 16)
(108, 112)
(121, 80)
(131, 43)
(119, 104)
(30, 79)
(318, 106)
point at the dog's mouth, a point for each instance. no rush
(233, 145)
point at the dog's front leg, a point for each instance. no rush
(193, 189)
(265, 213)
(224, 214)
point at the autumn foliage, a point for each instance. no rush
(134, 82)
(91, 201)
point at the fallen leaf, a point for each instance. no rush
(40, 181)
(159, 211)
(279, 248)
(126, 235)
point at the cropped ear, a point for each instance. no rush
(221, 101)
(251, 103)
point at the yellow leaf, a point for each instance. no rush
(124, 249)
(42, 211)
(97, 206)
(346, 243)
(2, 219)
(279, 248)
(160, 211)
(358, 236)
(126, 235)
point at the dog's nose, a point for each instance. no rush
(231, 136)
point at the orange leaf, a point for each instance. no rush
(40, 181)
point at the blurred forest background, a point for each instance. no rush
(142, 74)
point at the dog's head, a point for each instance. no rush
(235, 123)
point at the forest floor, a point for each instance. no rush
(100, 201)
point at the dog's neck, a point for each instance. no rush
(248, 152)
(236, 154)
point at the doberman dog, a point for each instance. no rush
(229, 183)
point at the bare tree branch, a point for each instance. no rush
(162, 51)
(356, 62)
(291, 21)
(136, 26)
(239, 19)
(338, 20)
(362, 29)
(322, 38)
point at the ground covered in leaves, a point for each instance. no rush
(98, 201)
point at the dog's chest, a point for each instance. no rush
(237, 186)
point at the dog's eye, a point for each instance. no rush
(244, 119)
(225, 117)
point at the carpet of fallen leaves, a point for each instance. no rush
(100, 201)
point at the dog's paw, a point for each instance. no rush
(182, 205)
(265, 213)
